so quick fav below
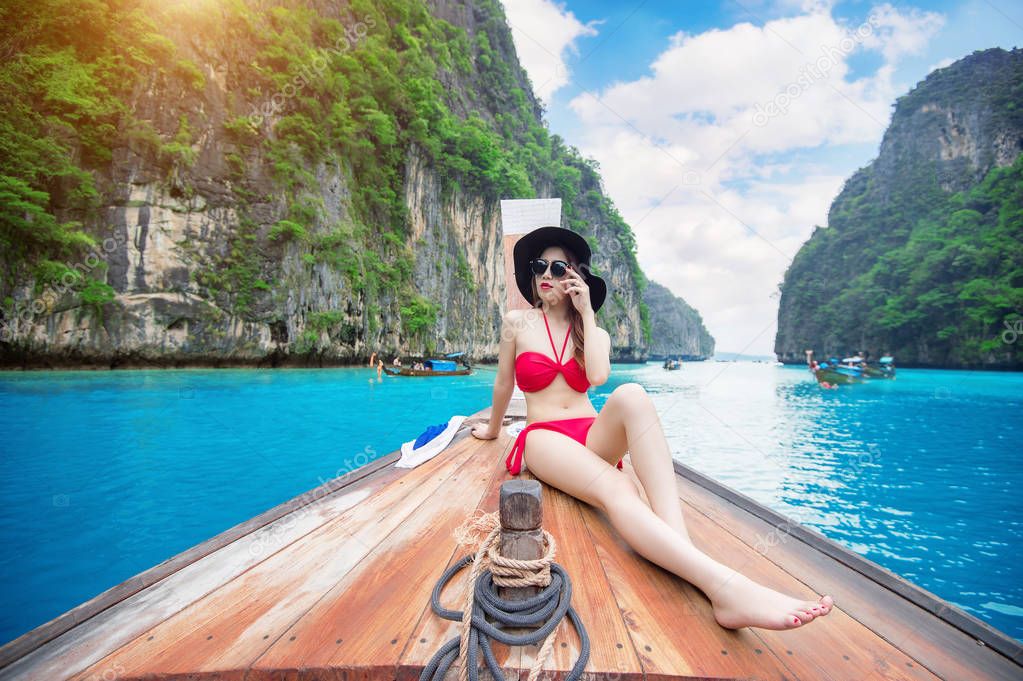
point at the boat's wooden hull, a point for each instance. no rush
(836, 377)
(845, 376)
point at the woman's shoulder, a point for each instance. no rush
(512, 324)
(515, 318)
(520, 323)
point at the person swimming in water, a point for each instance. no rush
(574, 448)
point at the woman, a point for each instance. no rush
(572, 447)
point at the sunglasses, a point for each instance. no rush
(558, 267)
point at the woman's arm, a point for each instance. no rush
(597, 350)
(504, 383)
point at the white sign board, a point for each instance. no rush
(519, 216)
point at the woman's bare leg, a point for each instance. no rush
(737, 601)
(628, 421)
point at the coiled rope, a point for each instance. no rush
(489, 571)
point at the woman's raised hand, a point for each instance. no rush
(578, 290)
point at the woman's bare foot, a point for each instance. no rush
(741, 602)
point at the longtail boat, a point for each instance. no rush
(434, 367)
(431, 371)
(850, 369)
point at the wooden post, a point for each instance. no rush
(513, 299)
(521, 530)
(518, 217)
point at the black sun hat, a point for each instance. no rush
(531, 245)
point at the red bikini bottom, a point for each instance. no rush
(574, 428)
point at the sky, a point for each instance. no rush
(724, 130)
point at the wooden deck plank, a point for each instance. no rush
(922, 636)
(670, 621)
(118, 624)
(247, 644)
(281, 583)
(611, 649)
(25, 644)
(374, 609)
(836, 647)
(431, 631)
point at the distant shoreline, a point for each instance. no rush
(981, 367)
(130, 363)
(9, 365)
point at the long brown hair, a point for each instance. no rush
(574, 317)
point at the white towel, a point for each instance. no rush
(410, 458)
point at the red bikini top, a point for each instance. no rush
(535, 370)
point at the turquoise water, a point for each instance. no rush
(109, 473)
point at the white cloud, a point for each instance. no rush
(897, 33)
(706, 156)
(543, 33)
(940, 64)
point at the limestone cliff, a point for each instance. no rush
(922, 256)
(676, 328)
(261, 183)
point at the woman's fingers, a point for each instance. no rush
(481, 432)
(573, 279)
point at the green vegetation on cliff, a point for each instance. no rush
(66, 71)
(954, 286)
(923, 256)
(309, 86)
